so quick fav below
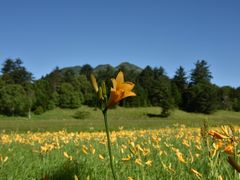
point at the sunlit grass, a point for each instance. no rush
(127, 118)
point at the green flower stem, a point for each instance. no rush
(109, 143)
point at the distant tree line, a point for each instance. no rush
(20, 94)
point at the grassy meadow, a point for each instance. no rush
(55, 145)
(123, 118)
(168, 153)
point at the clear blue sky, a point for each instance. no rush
(50, 33)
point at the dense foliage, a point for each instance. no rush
(20, 94)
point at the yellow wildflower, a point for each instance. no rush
(186, 143)
(139, 147)
(148, 163)
(226, 130)
(198, 147)
(180, 157)
(138, 161)
(195, 172)
(130, 178)
(67, 156)
(100, 157)
(126, 158)
(3, 159)
(92, 149)
(197, 155)
(146, 152)
(84, 149)
(220, 177)
(168, 168)
(191, 156)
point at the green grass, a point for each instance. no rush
(128, 118)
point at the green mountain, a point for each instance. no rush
(103, 68)
(126, 67)
(75, 69)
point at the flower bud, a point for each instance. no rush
(100, 93)
(104, 90)
(94, 83)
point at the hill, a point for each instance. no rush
(129, 67)
(125, 66)
(75, 69)
(103, 68)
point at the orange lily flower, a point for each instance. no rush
(216, 134)
(120, 90)
(229, 149)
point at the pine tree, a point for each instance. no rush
(180, 79)
(179, 86)
(201, 73)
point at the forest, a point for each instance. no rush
(21, 94)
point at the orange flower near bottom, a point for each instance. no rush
(218, 145)
(229, 149)
(120, 90)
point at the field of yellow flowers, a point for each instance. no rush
(170, 153)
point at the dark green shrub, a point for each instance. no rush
(81, 115)
(39, 110)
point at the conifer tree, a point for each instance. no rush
(201, 73)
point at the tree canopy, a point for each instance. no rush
(68, 87)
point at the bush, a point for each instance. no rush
(81, 115)
(51, 105)
(165, 112)
(39, 110)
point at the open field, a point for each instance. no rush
(176, 153)
(126, 118)
(145, 148)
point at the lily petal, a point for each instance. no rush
(120, 78)
(114, 82)
(127, 86)
(127, 94)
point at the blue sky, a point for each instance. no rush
(170, 33)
